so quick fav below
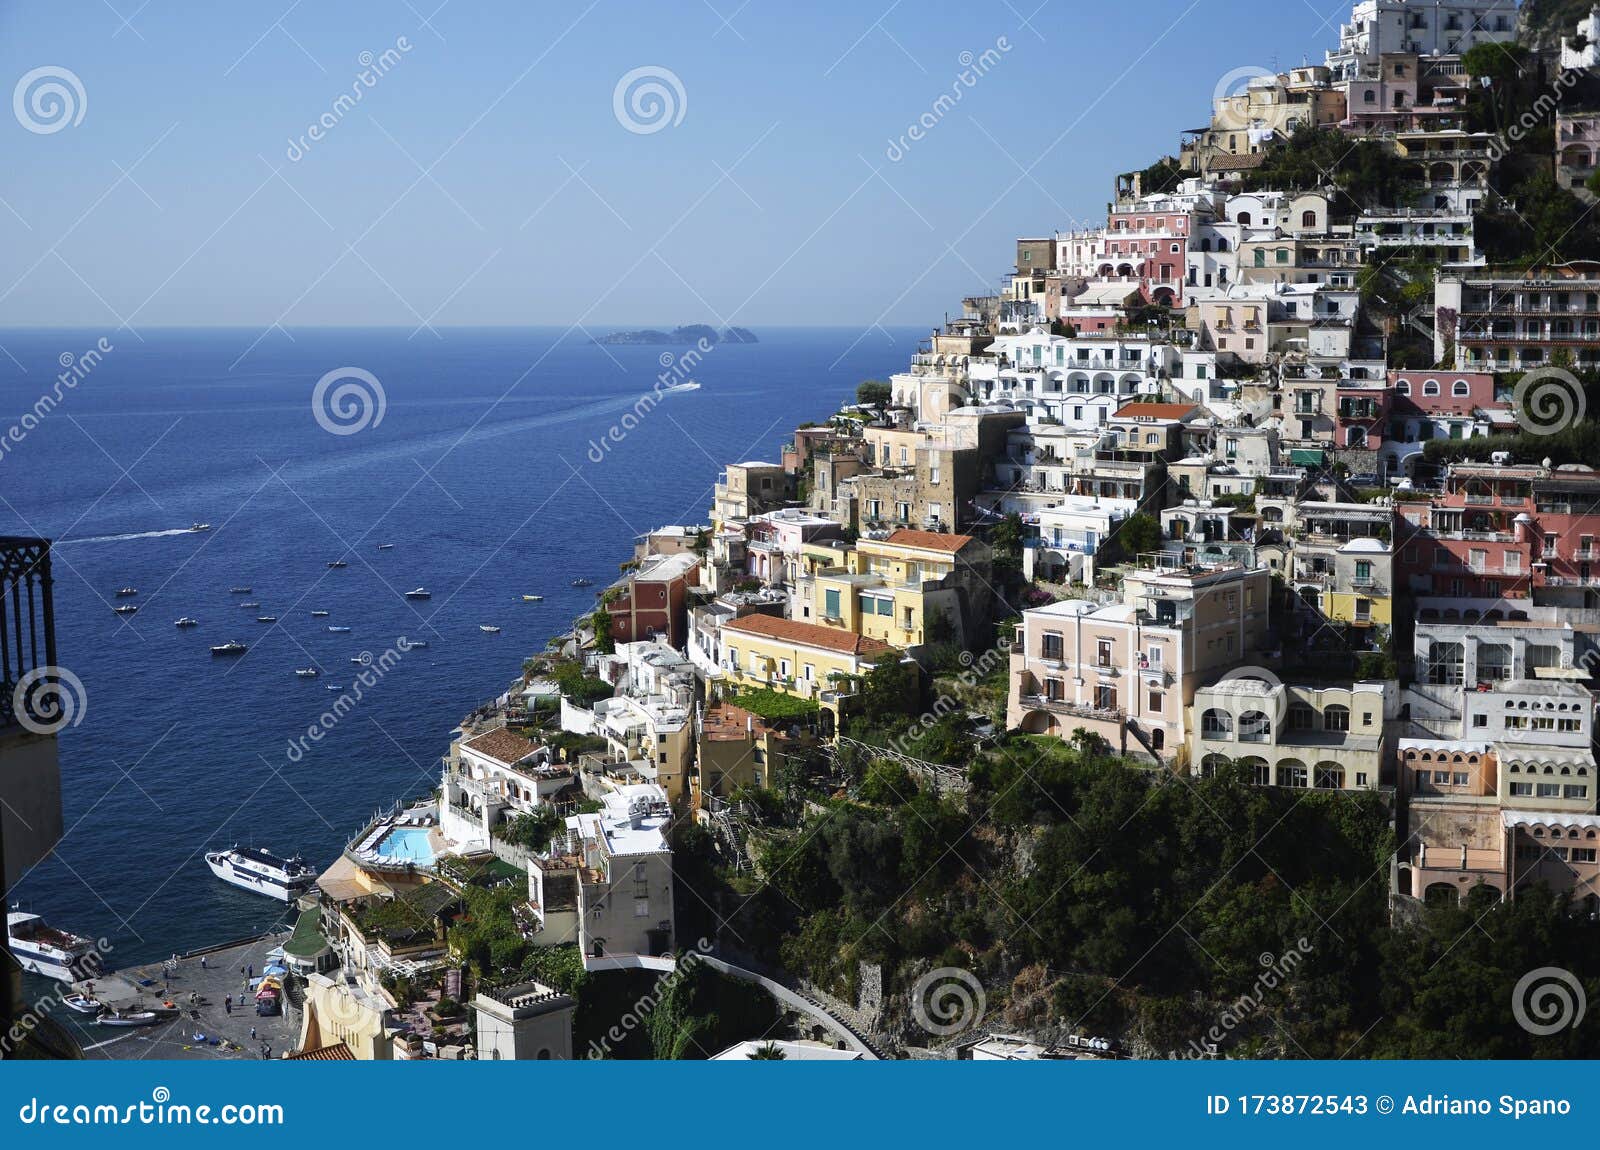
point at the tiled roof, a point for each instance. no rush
(808, 634)
(929, 540)
(501, 744)
(1154, 411)
(338, 1052)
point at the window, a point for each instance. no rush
(1336, 718)
(1215, 724)
(1052, 646)
(1103, 653)
(1156, 702)
(1460, 387)
(1105, 697)
(830, 603)
(808, 672)
(1403, 387)
(1430, 387)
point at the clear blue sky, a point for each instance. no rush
(759, 207)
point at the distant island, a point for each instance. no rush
(679, 336)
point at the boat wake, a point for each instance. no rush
(127, 536)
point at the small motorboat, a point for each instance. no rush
(335, 564)
(126, 609)
(333, 687)
(488, 629)
(127, 1018)
(186, 621)
(337, 630)
(419, 593)
(386, 547)
(533, 598)
(125, 591)
(232, 648)
(319, 614)
(360, 660)
(250, 606)
(83, 1003)
(415, 644)
(307, 672)
(199, 527)
(583, 582)
(266, 618)
(238, 590)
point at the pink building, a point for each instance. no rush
(1149, 247)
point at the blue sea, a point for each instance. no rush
(482, 474)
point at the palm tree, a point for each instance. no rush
(767, 1050)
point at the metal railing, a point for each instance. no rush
(27, 627)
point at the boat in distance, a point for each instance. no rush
(199, 527)
(307, 672)
(238, 590)
(335, 564)
(127, 1018)
(266, 618)
(44, 950)
(337, 630)
(232, 648)
(319, 614)
(126, 609)
(583, 582)
(124, 591)
(261, 871)
(419, 593)
(186, 621)
(252, 605)
(386, 547)
(533, 598)
(488, 628)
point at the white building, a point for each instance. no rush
(1423, 27)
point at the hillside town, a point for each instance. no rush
(1265, 506)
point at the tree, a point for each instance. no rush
(601, 621)
(874, 391)
(767, 1051)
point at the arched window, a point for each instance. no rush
(1430, 387)
(1215, 724)
(1244, 218)
(1255, 727)
(1336, 717)
(1308, 219)
(1460, 387)
(1403, 387)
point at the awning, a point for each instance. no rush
(1306, 457)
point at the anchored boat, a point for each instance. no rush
(42, 949)
(262, 871)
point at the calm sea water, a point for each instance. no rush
(480, 474)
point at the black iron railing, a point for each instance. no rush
(27, 623)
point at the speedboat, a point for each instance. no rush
(386, 547)
(124, 591)
(333, 687)
(359, 659)
(338, 630)
(126, 609)
(583, 582)
(307, 672)
(199, 527)
(127, 1018)
(262, 871)
(186, 621)
(533, 598)
(44, 950)
(414, 644)
(419, 593)
(252, 605)
(238, 590)
(83, 1003)
(336, 564)
(232, 648)
(488, 629)
(266, 618)
(319, 614)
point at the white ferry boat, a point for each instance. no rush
(262, 871)
(44, 950)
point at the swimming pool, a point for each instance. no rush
(407, 844)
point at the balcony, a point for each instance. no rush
(1075, 710)
(33, 692)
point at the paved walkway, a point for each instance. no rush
(144, 987)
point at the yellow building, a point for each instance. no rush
(806, 660)
(914, 587)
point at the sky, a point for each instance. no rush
(160, 170)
